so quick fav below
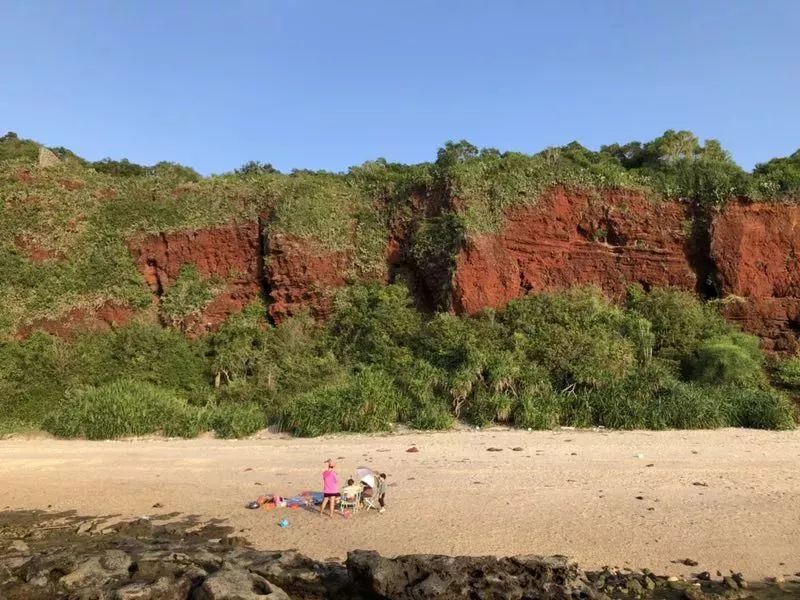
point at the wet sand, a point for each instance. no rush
(728, 499)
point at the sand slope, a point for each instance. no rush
(566, 492)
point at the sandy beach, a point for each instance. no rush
(727, 499)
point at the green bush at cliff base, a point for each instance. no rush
(123, 408)
(787, 373)
(727, 360)
(236, 420)
(134, 408)
(370, 402)
(569, 358)
(538, 409)
(36, 373)
(758, 408)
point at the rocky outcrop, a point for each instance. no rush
(302, 276)
(756, 251)
(47, 158)
(424, 577)
(46, 556)
(64, 556)
(568, 238)
(230, 254)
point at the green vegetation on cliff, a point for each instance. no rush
(63, 228)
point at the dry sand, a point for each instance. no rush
(729, 499)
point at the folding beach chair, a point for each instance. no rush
(370, 501)
(349, 502)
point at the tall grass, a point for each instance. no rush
(368, 403)
(123, 408)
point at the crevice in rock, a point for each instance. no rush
(262, 261)
(152, 266)
(698, 253)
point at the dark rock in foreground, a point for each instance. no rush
(62, 556)
(419, 577)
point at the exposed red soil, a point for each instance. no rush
(105, 194)
(71, 184)
(303, 277)
(756, 249)
(107, 316)
(34, 251)
(228, 253)
(24, 176)
(572, 238)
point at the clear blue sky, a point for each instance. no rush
(327, 84)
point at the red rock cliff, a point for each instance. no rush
(230, 253)
(612, 240)
(756, 250)
(302, 276)
(570, 238)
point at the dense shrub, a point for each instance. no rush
(33, 377)
(36, 373)
(236, 420)
(123, 407)
(142, 351)
(577, 335)
(568, 358)
(374, 324)
(779, 176)
(370, 402)
(253, 361)
(538, 407)
(758, 408)
(126, 407)
(734, 359)
(787, 373)
(678, 321)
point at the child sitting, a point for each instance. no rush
(351, 491)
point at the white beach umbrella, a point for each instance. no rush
(366, 475)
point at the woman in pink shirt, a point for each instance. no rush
(330, 487)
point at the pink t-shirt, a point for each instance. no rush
(330, 482)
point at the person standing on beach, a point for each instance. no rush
(380, 491)
(330, 487)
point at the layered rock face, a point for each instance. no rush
(750, 253)
(230, 254)
(756, 251)
(302, 277)
(296, 277)
(572, 238)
